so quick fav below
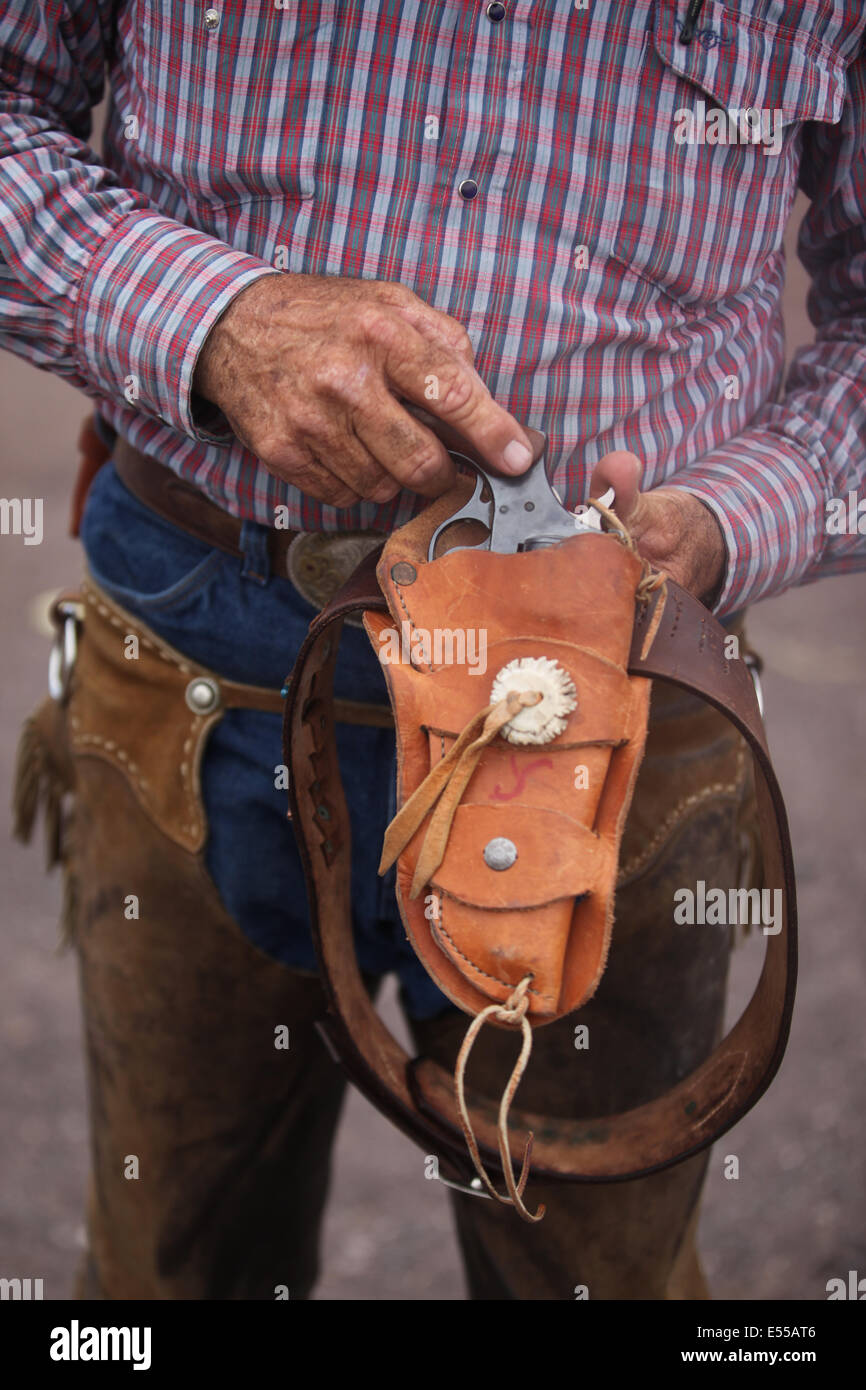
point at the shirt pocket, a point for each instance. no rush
(710, 189)
(232, 110)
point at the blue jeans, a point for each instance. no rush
(228, 614)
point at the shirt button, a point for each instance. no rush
(211, 19)
(495, 12)
(468, 189)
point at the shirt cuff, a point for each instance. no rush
(150, 296)
(766, 491)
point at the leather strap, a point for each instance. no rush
(186, 506)
(417, 1095)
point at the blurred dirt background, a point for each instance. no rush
(793, 1219)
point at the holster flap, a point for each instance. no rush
(558, 858)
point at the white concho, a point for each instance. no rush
(545, 721)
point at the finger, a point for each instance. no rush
(339, 447)
(454, 441)
(319, 483)
(333, 492)
(404, 448)
(450, 388)
(323, 485)
(300, 468)
(429, 321)
(449, 333)
(621, 471)
(320, 444)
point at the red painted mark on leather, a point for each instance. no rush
(520, 775)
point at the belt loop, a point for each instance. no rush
(254, 544)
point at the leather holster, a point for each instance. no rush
(558, 801)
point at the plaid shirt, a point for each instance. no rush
(620, 270)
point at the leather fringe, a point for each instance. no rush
(41, 783)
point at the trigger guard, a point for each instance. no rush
(473, 510)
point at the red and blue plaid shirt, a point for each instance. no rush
(620, 270)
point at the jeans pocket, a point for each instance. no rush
(146, 565)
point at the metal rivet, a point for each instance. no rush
(468, 189)
(404, 573)
(202, 695)
(211, 19)
(495, 11)
(500, 853)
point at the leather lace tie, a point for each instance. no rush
(512, 1011)
(651, 579)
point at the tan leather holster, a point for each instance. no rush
(518, 842)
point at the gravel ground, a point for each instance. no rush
(793, 1219)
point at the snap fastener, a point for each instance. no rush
(500, 853)
(495, 12)
(468, 189)
(211, 19)
(202, 695)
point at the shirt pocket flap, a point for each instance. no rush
(744, 63)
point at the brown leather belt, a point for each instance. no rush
(318, 563)
(186, 506)
(183, 505)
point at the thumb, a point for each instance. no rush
(623, 472)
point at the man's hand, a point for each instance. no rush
(671, 528)
(309, 369)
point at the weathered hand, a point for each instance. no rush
(671, 527)
(309, 371)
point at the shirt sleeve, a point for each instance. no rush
(785, 491)
(95, 283)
